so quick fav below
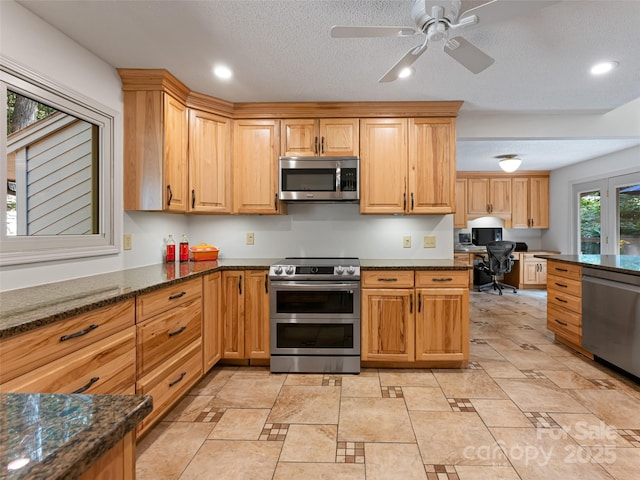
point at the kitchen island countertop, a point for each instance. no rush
(33, 307)
(614, 263)
(60, 436)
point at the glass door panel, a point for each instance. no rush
(590, 221)
(628, 219)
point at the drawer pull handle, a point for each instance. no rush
(442, 279)
(564, 324)
(387, 279)
(561, 269)
(177, 380)
(177, 295)
(562, 300)
(562, 285)
(87, 386)
(79, 334)
(176, 332)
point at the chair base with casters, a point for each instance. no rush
(500, 261)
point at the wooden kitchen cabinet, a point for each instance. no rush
(320, 137)
(387, 313)
(155, 152)
(211, 320)
(442, 317)
(530, 208)
(490, 196)
(528, 271)
(95, 350)
(460, 216)
(255, 167)
(407, 321)
(169, 345)
(209, 163)
(245, 314)
(119, 463)
(407, 165)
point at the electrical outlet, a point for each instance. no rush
(406, 241)
(429, 241)
(250, 238)
(127, 241)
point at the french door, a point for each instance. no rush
(608, 215)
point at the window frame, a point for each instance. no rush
(15, 250)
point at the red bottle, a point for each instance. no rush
(170, 254)
(184, 249)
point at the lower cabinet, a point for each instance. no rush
(528, 271)
(211, 323)
(412, 317)
(119, 463)
(245, 314)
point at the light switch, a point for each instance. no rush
(127, 241)
(406, 241)
(250, 238)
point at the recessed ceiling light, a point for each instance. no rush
(222, 71)
(406, 72)
(603, 67)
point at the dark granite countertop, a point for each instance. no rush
(61, 436)
(614, 263)
(412, 264)
(32, 307)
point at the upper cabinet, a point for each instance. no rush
(323, 137)
(255, 166)
(520, 199)
(460, 217)
(407, 165)
(155, 151)
(209, 163)
(530, 202)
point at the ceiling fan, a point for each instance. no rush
(436, 22)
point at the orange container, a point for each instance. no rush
(204, 252)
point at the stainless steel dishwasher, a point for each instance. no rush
(611, 317)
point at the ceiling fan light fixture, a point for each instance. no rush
(406, 72)
(509, 163)
(601, 68)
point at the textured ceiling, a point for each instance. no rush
(280, 50)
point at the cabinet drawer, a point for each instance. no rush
(168, 333)
(387, 279)
(151, 304)
(105, 367)
(442, 278)
(567, 285)
(169, 381)
(28, 351)
(563, 317)
(565, 270)
(562, 299)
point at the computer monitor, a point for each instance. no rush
(482, 236)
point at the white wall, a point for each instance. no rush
(559, 235)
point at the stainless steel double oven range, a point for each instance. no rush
(315, 315)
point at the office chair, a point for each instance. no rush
(500, 261)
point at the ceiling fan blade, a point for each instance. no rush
(495, 11)
(467, 54)
(406, 61)
(343, 31)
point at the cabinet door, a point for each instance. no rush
(383, 165)
(339, 136)
(255, 159)
(530, 272)
(211, 320)
(432, 169)
(209, 163)
(233, 283)
(539, 202)
(442, 324)
(460, 217)
(500, 191)
(478, 196)
(520, 207)
(176, 137)
(387, 325)
(256, 333)
(542, 271)
(300, 137)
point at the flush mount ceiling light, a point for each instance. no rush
(603, 67)
(509, 163)
(223, 72)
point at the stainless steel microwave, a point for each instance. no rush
(319, 178)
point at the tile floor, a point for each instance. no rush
(525, 408)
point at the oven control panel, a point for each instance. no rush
(314, 272)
